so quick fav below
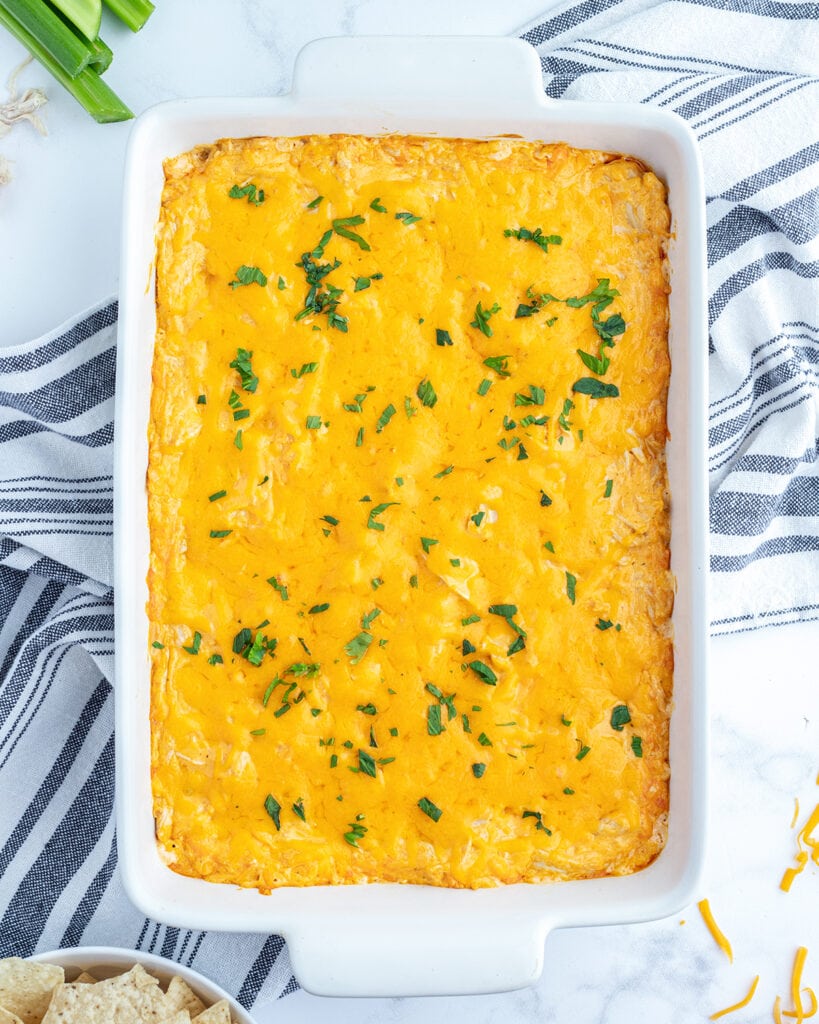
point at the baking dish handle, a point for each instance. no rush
(481, 72)
(423, 958)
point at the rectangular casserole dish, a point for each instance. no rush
(429, 941)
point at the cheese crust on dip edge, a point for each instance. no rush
(409, 587)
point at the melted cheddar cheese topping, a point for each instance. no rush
(409, 588)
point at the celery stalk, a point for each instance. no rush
(133, 12)
(85, 14)
(101, 102)
(101, 55)
(70, 52)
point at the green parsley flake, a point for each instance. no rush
(442, 337)
(434, 724)
(220, 533)
(609, 486)
(195, 645)
(595, 388)
(216, 495)
(366, 764)
(470, 619)
(273, 808)
(426, 393)
(248, 275)
(202, 400)
(243, 366)
(314, 204)
(484, 386)
(483, 672)
(571, 583)
(619, 717)
(358, 647)
(536, 396)
(317, 609)
(305, 368)
(298, 809)
(342, 226)
(254, 196)
(313, 422)
(637, 746)
(407, 218)
(482, 317)
(368, 619)
(498, 364)
(376, 511)
(484, 740)
(429, 808)
(582, 752)
(158, 645)
(604, 624)
(427, 543)
(478, 769)
(367, 709)
(536, 236)
(376, 205)
(414, 582)
(280, 588)
(385, 418)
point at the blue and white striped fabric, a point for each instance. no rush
(59, 884)
(743, 73)
(740, 72)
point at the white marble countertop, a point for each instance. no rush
(59, 240)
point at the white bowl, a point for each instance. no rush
(106, 961)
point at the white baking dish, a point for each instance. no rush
(394, 939)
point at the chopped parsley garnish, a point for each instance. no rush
(568, 791)
(467, 648)
(538, 816)
(366, 764)
(484, 740)
(537, 421)
(595, 388)
(565, 721)
(313, 422)
(376, 511)
(303, 668)
(359, 437)
(376, 205)
(376, 582)
(368, 619)
(258, 732)
(483, 672)
(314, 203)
(484, 386)
(298, 809)
(477, 518)
(385, 418)
(508, 443)
(455, 563)
(362, 283)
(280, 588)
(444, 472)
(498, 364)
(604, 624)
(305, 368)
(582, 752)
(571, 583)
(536, 396)
(342, 225)
(201, 399)
(478, 769)
(429, 808)
(434, 724)
(367, 709)
(357, 831)
(619, 717)
(407, 218)
(237, 440)
(409, 408)
(254, 195)
(281, 284)
(637, 746)
(549, 546)
(506, 611)
(609, 486)
(357, 405)
(218, 534)
(241, 414)
(562, 419)
(321, 297)
(482, 317)
(216, 659)
(243, 366)
(522, 453)
(329, 519)
(545, 500)
(217, 495)
(518, 644)
(317, 609)
(426, 393)
(427, 543)
(248, 275)
(358, 647)
(525, 311)
(273, 808)
(414, 582)
(158, 645)
(536, 236)
(195, 644)
(470, 619)
(393, 731)
(442, 337)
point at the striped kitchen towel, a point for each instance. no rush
(743, 74)
(59, 884)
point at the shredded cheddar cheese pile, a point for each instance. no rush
(409, 581)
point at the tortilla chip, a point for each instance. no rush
(180, 1017)
(85, 979)
(26, 987)
(132, 998)
(8, 1018)
(219, 1013)
(181, 997)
